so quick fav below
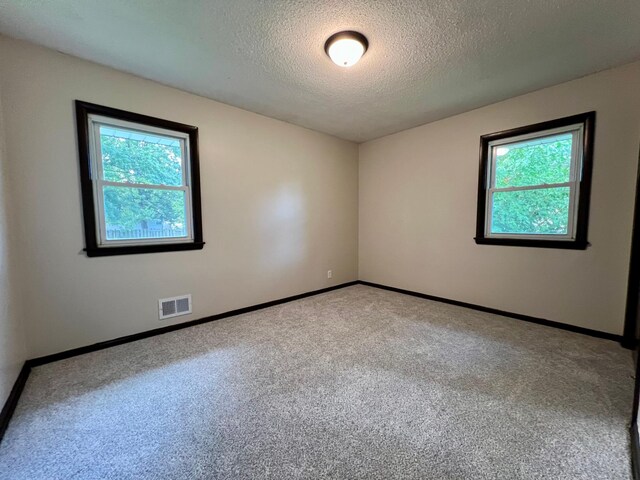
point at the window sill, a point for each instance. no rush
(137, 249)
(515, 242)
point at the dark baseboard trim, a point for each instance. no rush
(18, 387)
(630, 344)
(495, 311)
(14, 396)
(172, 328)
(635, 451)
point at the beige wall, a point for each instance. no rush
(279, 206)
(12, 343)
(418, 209)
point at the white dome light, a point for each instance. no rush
(346, 48)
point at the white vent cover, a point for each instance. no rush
(174, 306)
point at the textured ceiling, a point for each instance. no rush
(427, 59)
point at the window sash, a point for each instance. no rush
(97, 178)
(575, 173)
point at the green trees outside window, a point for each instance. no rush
(533, 211)
(142, 212)
(534, 184)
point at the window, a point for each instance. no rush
(534, 184)
(140, 182)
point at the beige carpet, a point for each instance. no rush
(355, 383)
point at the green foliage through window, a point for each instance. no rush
(543, 211)
(535, 162)
(520, 209)
(129, 157)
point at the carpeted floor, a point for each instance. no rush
(355, 383)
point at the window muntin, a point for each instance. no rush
(533, 185)
(142, 193)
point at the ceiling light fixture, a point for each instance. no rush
(346, 48)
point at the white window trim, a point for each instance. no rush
(577, 131)
(96, 173)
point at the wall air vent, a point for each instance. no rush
(174, 306)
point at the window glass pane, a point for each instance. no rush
(538, 161)
(130, 156)
(539, 211)
(132, 213)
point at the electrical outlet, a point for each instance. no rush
(329, 274)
